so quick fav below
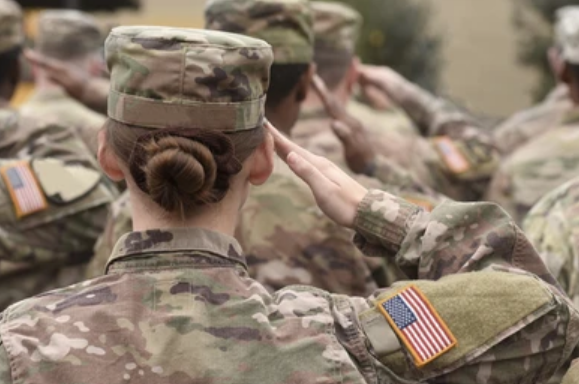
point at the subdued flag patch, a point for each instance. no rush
(27, 196)
(452, 156)
(418, 325)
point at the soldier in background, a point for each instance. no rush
(552, 224)
(549, 159)
(526, 125)
(53, 198)
(74, 38)
(177, 304)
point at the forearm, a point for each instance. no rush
(95, 95)
(430, 113)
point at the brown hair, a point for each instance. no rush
(182, 168)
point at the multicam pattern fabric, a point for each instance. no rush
(11, 26)
(285, 24)
(54, 105)
(438, 119)
(160, 78)
(176, 301)
(535, 169)
(289, 241)
(553, 228)
(46, 250)
(68, 34)
(524, 126)
(336, 26)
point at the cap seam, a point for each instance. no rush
(204, 45)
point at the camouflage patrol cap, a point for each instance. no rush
(11, 25)
(285, 24)
(185, 78)
(68, 34)
(336, 26)
(567, 33)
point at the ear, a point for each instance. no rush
(262, 162)
(107, 160)
(305, 83)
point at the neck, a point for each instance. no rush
(221, 217)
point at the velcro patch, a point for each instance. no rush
(451, 155)
(62, 183)
(422, 202)
(418, 325)
(25, 192)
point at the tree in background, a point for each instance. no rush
(534, 21)
(398, 33)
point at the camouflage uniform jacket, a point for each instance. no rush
(287, 240)
(528, 124)
(572, 376)
(41, 250)
(553, 228)
(456, 159)
(537, 168)
(178, 306)
(60, 108)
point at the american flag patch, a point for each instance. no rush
(451, 155)
(417, 323)
(24, 190)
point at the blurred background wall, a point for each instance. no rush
(478, 65)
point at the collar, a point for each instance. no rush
(179, 242)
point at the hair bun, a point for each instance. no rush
(179, 170)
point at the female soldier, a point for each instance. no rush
(185, 130)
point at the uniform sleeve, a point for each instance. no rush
(496, 335)
(53, 205)
(453, 238)
(447, 325)
(458, 157)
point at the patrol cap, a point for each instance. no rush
(68, 34)
(567, 33)
(11, 26)
(336, 26)
(185, 78)
(285, 24)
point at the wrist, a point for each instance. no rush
(383, 220)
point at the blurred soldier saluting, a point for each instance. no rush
(76, 39)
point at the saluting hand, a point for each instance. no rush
(358, 149)
(73, 81)
(336, 193)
